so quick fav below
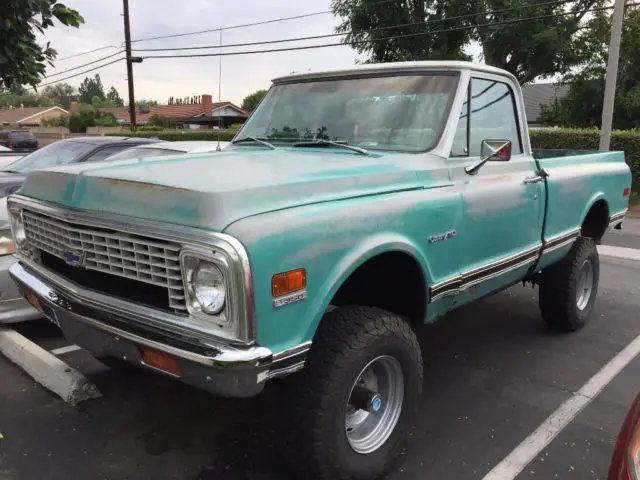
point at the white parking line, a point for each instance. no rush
(67, 349)
(524, 453)
(619, 252)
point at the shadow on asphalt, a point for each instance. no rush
(238, 436)
(492, 373)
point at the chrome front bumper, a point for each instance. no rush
(220, 369)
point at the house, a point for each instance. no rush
(206, 114)
(536, 94)
(29, 116)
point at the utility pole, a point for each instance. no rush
(130, 60)
(612, 75)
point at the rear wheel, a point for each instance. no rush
(568, 289)
(354, 401)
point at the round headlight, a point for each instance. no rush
(208, 288)
(18, 230)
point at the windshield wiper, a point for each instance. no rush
(316, 143)
(256, 140)
(10, 171)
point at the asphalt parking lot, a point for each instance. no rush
(493, 374)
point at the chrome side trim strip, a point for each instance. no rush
(241, 295)
(456, 285)
(559, 241)
(617, 218)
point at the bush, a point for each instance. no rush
(627, 141)
(177, 135)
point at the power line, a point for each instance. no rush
(357, 42)
(308, 47)
(330, 35)
(230, 27)
(85, 52)
(252, 24)
(82, 73)
(315, 37)
(83, 65)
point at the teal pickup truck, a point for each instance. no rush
(352, 207)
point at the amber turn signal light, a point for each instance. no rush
(160, 360)
(288, 282)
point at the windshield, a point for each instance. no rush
(400, 112)
(57, 153)
(142, 153)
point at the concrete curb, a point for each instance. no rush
(619, 252)
(46, 369)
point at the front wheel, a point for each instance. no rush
(354, 401)
(568, 289)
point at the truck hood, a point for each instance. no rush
(211, 191)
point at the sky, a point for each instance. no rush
(157, 79)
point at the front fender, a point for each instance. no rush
(366, 249)
(330, 241)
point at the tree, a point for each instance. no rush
(582, 106)
(97, 102)
(23, 60)
(89, 88)
(26, 99)
(62, 93)
(114, 96)
(528, 38)
(251, 101)
(89, 116)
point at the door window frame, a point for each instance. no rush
(518, 111)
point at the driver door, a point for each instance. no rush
(501, 226)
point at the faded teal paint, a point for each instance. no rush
(331, 240)
(210, 191)
(329, 211)
(576, 182)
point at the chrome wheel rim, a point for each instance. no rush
(585, 285)
(373, 415)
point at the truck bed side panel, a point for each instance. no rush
(575, 183)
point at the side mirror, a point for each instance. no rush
(491, 150)
(496, 150)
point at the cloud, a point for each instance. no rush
(160, 78)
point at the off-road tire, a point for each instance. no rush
(559, 283)
(316, 446)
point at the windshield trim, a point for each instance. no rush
(426, 71)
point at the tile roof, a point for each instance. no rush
(535, 94)
(168, 111)
(15, 115)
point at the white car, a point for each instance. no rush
(8, 156)
(160, 149)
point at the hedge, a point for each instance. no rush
(177, 135)
(627, 141)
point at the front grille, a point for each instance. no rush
(135, 257)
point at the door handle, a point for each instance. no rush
(534, 179)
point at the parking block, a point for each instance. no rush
(46, 368)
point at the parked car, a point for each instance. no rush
(352, 207)
(62, 152)
(13, 306)
(625, 461)
(8, 156)
(161, 149)
(18, 140)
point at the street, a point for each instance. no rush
(493, 374)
